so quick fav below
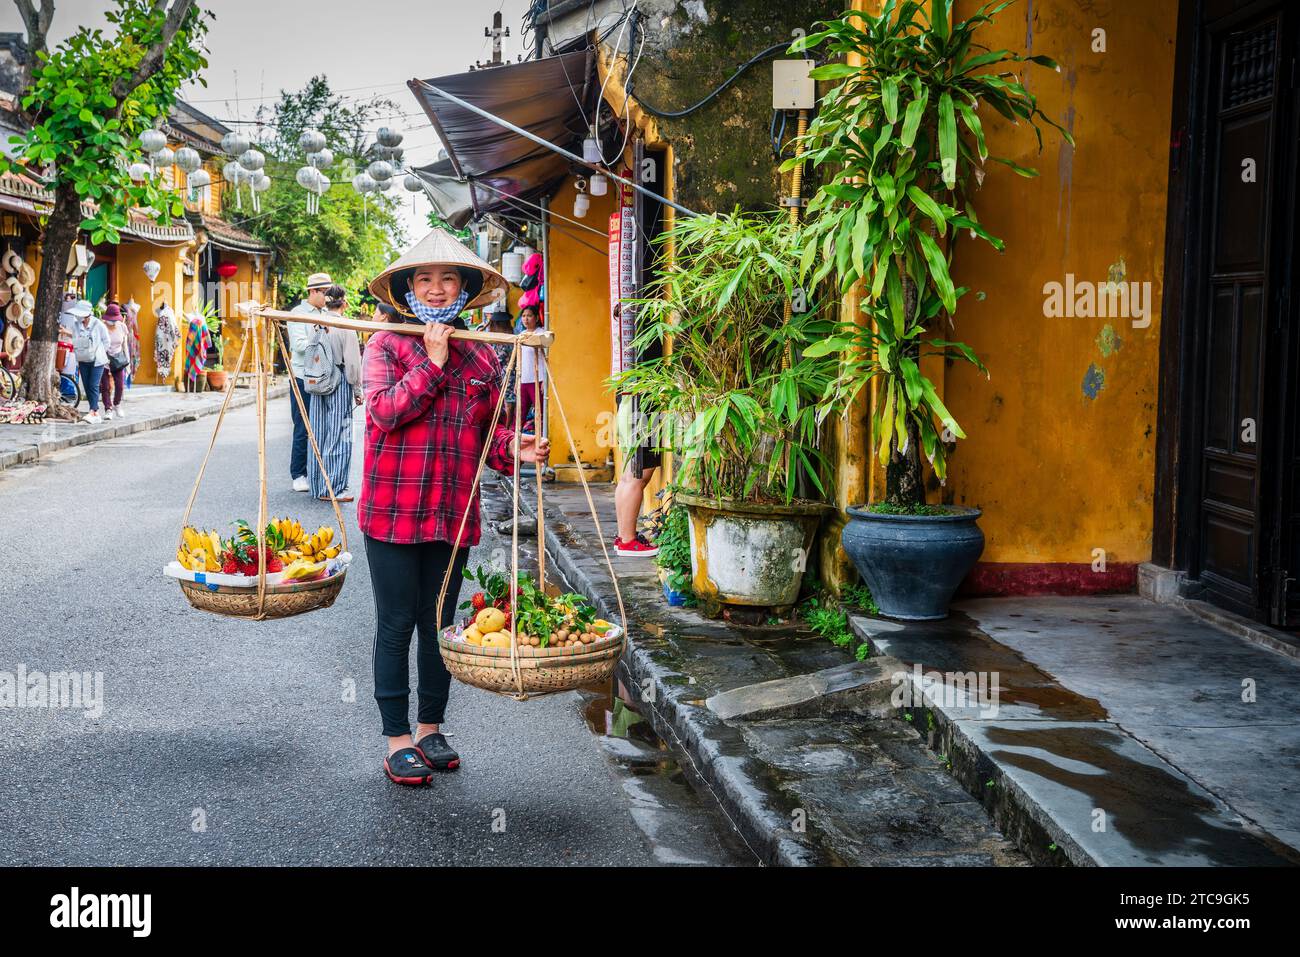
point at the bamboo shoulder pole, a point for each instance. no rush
(542, 338)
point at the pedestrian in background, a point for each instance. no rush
(297, 333)
(90, 343)
(112, 383)
(330, 412)
(530, 391)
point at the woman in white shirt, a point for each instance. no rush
(532, 376)
(90, 343)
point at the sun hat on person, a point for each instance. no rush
(81, 308)
(113, 313)
(439, 248)
(319, 280)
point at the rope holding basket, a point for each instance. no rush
(263, 600)
(522, 672)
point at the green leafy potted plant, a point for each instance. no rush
(740, 417)
(902, 147)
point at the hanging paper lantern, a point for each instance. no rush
(151, 141)
(311, 141)
(388, 137)
(236, 176)
(599, 185)
(261, 183)
(309, 178)
(252, 160)
(226, 269)
(188, 160)
(234, 143)
(139, 172)
(380, 171)
(151, 270)
(363, 184)
(412, 183)
(199, 179)
(384, 185)
(323, 159)
(164, 157)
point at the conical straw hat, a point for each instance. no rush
(439, 248)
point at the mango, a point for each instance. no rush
(473, 635)
(490, 620)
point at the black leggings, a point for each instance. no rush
(406, 580)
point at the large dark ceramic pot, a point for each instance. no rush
(913, 563)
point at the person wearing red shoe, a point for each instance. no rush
(628, 495)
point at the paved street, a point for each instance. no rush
(231, 742)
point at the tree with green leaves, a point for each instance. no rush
(352, 237)
(902, 145)
(88, 102)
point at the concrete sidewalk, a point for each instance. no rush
(792, 737)
(1123, 732)
(146, 408)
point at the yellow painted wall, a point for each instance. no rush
(132, 283)
(1056, 472)
(577, 310)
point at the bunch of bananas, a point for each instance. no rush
(290, 530)
(314, 548)
(200, 551)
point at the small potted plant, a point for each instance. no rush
(902, 145)
(741, 420)
(217, 377)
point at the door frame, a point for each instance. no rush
(1180, 409)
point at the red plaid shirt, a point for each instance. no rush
(425, 429)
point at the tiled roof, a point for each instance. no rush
(228, 235)
(32, 197)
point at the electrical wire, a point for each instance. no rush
(678, 114)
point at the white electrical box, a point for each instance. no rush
(792, 87)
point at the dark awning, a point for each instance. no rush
(487, 164)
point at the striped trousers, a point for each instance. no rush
(331, 423)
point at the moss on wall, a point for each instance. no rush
(723, 156)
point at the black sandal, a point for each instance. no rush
(437, 753)
(407, 766)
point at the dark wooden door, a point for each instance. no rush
(1245, 469)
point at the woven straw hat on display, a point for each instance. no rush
(439, 248)
(14, 341)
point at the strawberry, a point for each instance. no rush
(478, 601)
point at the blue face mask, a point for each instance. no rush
(427, 314)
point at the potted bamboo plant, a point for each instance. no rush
(901, 146)
(740, 417)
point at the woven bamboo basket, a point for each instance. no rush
(282, 601)
(542, 671)
(285, 599)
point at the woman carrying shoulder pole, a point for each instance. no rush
(429, 404)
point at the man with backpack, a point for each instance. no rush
(296, 333)
(331, 376)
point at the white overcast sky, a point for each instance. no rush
(258, 47)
